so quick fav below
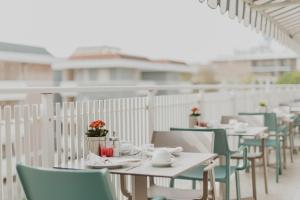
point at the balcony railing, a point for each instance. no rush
(51, 133)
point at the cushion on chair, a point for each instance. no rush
(249, 155)
(197, 173)
(257, 142)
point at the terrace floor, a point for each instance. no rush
(288, 187)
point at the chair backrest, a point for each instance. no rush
(269, 120)
(253, 119)
(46, 184)
(189, 141)
(220, 142)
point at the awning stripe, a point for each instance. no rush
(279, 19)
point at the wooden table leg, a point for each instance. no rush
(253, 166)
(139, 188)
(264, 164)
(123, 187)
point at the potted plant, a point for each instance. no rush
(96, 136)
(194, 117)
(263, 106)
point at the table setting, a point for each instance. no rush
(159, 157)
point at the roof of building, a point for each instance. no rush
(18, 48)
(24, 53)
(102, 52)
(110, 57)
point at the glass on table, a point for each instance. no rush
(147, 149)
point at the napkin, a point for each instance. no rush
(93, 159)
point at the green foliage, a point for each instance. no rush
(97, 132)
(289, 78)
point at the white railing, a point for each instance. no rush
(53, 133)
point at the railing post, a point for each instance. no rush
(47, 130)
(151, 104)
(234, 102)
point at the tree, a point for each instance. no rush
(289, 78)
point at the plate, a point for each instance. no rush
(106, 165)
(166, 164)
(115, 163)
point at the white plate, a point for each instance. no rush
(114, 164)
(173, 151)
(166, 164)
(106, 165)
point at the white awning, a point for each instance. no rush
(279, 19)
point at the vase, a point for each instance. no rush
(94, 144)
(193, 121)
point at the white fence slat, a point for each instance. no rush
(72, 130)
(8, 151)
(35, 135)
(1, 156)
(17, 145)
(65, 132)
(79, 130)
(58, 131)
(85, 124)
(27, 125)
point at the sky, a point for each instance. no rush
(160, 29)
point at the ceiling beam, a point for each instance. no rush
(275, 5)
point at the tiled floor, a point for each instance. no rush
(288, 187)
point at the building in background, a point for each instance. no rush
(260, 65)
(97, 66)
(22, 66)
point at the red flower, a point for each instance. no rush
(97, 124)
(195, 110)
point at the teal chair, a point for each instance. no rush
(222, 172)
(270, 121)
(44, 184)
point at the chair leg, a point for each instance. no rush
(253, 165)
(279, 159)
(227, 185)
(291, 139)
(172, 183)
(284, 147)
(277, 164)
(194, 184)
(265, 172)
(237, 182)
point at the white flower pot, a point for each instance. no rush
(93, 144)
(193, 121)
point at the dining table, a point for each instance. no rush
(142, 171)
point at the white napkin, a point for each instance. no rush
(93, 159)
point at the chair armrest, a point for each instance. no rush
(244, 151)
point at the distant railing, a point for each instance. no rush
(52, 132)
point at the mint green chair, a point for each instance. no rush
(270, 121)
(222, 172)
(53, 184)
